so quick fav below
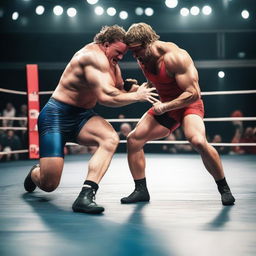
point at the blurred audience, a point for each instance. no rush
(9, 111)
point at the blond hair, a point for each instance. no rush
(141, 33)
(110, 34)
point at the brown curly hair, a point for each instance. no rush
(140, 33)
(110, 34)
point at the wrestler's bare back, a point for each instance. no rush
(74, 87)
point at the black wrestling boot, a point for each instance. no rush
(29, 185)
(84, 202)
(226, 195)
(140, 194)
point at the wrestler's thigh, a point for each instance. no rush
(96, 130)
(193, 125)
(149, 129)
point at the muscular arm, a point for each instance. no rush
(181, 64)
(99, 79)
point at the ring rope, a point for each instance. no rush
(14, 128)
(14, 152)
(149, 142)
(202, 93)
(117, 120)
(13, 91)
(181, 142)
(13, 118)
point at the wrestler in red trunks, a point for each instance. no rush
(171, 71)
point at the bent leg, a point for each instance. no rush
(47, 175)
(194, 131)
(98, 131)
(147, 129)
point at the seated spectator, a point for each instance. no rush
(125, 129)
(9, 111)
(12, 143)
(249, 136)
(238, 126)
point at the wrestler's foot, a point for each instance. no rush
(84, 202)
(226, 196)
(136, 196)
(29, 185)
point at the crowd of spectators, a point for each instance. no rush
(12, 139)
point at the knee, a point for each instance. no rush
(133, 143)
(49, 183)
(198, 142)
(111, 141)
(48, 186)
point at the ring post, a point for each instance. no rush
(33, 110)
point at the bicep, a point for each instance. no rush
(101, 83)
(187, 79)
(182, 66)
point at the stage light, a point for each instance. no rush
(139, 11)
(184, 12)
(39, 10)
(15, 15)
(194, 10)
(123, 15)
(58, 10)
(245, 14)
(99, 10)
(111, 11)
(221, 74)
(92, 1)
(207, 10)
(149, 11)
(71, 12)
(171, 3)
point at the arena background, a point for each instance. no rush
(185, 216)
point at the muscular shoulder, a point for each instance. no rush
(91, 57)
(176, 58)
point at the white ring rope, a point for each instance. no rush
(117, 120)
(202, 93)
(13, 118)
(14, 128)
(14, 152)
(137, 119)
(182, 142)
(228, 92)
(13, 91)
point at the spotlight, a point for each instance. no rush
(221, 74)
(245, 14)
(39, 10)
(58, 10)
(139, 11)
(15, 15)
(71, 12)
(194, 10)
(207, 10)
(92, 1)
(184, 11)
(99, 10)
(111, 11)
(171, 3)
(149, 11)
(123, 15)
